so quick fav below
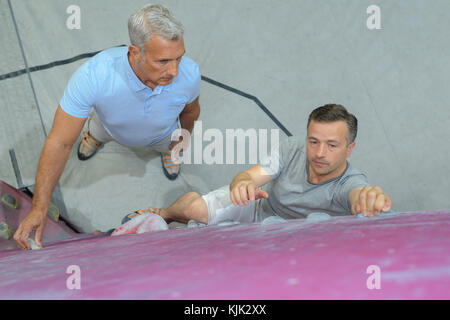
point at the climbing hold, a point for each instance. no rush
(195, 224)
(317, 217)
(53, 212)
(10, 201)
(33, 244)
(382, 214)
(272, 220)
(5, 231)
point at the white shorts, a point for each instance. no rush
(221, 209)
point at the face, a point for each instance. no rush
(158, 65)
(327, 150)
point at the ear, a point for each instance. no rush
(134, 52)
(350, 148)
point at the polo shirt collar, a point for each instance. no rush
(136, 84)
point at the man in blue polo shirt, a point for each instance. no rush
(134, 96)
(137, 93)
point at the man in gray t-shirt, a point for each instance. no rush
(292, 196)
(300, 177)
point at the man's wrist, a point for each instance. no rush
(243, 176)
(39, 209)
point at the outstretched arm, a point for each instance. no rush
(369, 201)
(58, 144)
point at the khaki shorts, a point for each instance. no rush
(97, 131)
(221, 209)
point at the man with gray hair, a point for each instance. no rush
(133, 95)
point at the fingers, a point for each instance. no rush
(38, 236)
(235, 195)
(372, 200)
(387, 204)
(261, 194)
(31, 222)
(356, 209)
(251, 193)
(362, 201)
(243, 195)
(244, 192)
(21, 237)
(372, 197)
(379, 203)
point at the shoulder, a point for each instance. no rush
(101, 68)
(106, 60)
(291, 150)
(293, 144)
(353, 175)
(189, 70)
(109, 55)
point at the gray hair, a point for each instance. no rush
(153, 20)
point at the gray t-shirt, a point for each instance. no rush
(291, 196)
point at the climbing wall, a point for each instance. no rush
(14, 206)
(400, 256)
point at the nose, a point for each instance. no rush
(321, 150)
(173, 69)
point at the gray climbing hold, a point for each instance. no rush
(382, 214)
(272, 220)
(317, 217)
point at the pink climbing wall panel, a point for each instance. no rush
(12, 216)
(290, 260)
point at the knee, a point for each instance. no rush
(193, 201)
(195, 207)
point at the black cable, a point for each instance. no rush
(204, 78)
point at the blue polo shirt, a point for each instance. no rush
(132, 113)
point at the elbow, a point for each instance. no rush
(55, 142)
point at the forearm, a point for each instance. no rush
(51, 165)
(257, 174)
